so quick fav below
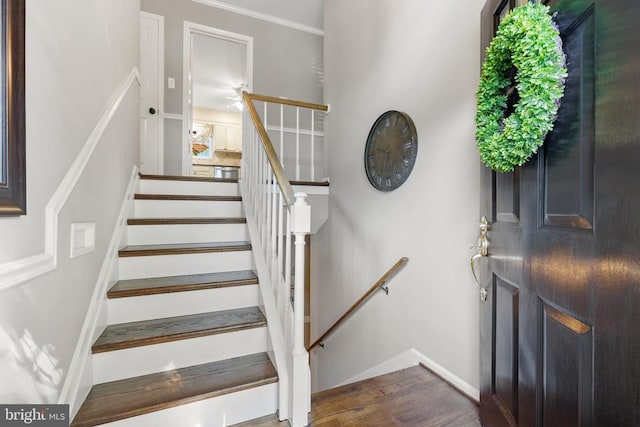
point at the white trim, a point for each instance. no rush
(189, 29)
(262, 16)
(77, 374)
(293, 130)
(19, 271)
(160, 107)
(171, 116)
(413, 357)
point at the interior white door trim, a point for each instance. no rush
(191, 28)
(262, 16)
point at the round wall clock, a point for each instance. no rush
(391, 150)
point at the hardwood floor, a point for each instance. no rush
(410, 397)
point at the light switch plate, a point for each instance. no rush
(83, 238)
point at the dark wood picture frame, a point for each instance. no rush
(13, 185)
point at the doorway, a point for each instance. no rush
(218, 66)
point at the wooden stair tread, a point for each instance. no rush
(187, 197)
(126, 398)
(155, 331)
(187, 178)
(190, 282)
(183, 248)
(183, 221)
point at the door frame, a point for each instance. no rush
(191, 29)
(160, 20)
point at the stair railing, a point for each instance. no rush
(275, 215)
(379, 285)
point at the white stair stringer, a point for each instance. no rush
(147, 359)
(278, 341)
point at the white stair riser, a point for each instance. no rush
(139, 267)
(131, 362)
(185, 233)
(151, 186)
(219, 411)
(133, 309)
(186, 208)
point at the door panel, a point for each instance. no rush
(560, 328)
(569, 148)
(507, 195)
(565, 369)
(505, 338)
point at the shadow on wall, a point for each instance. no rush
(29, 370)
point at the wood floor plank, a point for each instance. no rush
(187, 197)
(121, 399)
(136, 334)
(184, 221)
(190, 282)
(183, 248)
(187, 178)
(410, 397)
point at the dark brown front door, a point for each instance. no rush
(560, 327)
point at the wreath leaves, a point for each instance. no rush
(528, 40)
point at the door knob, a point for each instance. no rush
(152, 110)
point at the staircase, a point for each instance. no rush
(186, 340)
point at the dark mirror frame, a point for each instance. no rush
(13, 184)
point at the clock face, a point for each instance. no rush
(391, 150)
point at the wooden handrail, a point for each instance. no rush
(381, 281)
(285, 101)
(278, 170)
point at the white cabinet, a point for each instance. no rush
(227, 137)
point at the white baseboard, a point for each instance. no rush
(410, 358)
(80, 375)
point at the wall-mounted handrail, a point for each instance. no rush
(378, 285)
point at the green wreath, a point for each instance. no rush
(529, 41)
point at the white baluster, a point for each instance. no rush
(313, 146)
(282, 134)
(298, 143)
(280, 279)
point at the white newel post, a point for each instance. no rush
(301, 375)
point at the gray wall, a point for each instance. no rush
(423, 59)
(287, 62)
(78, 53)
